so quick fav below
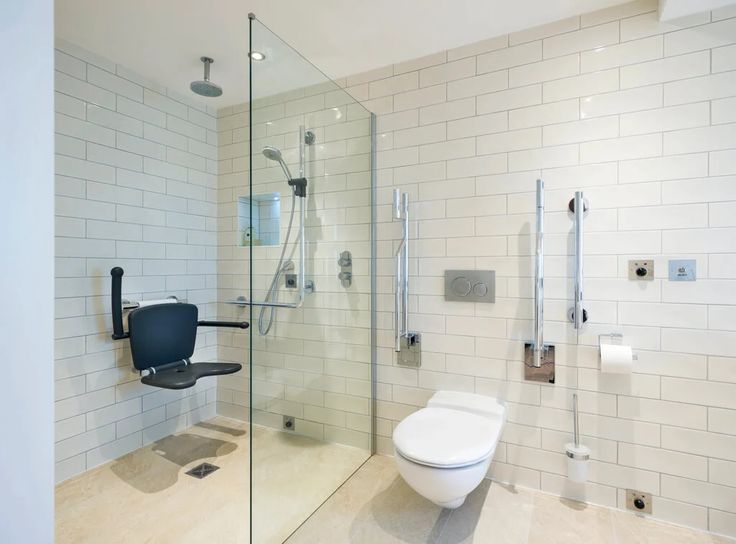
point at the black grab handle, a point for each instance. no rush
(234, 324)
(117, 304)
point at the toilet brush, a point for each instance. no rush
(578, 456)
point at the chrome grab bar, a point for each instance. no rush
(242, 301)
(539, 280)
(578, 207)
(401, 290)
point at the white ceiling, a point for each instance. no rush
(163, 39)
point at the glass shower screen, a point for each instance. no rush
(305, 232)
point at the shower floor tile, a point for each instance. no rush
(376, 506)
(146, 496)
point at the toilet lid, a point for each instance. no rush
(441, 437)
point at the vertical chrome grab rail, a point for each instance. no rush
(578, 311)
(405, 276)
(539, 280)
(401, 290)
(578, 315)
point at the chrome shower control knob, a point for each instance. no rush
(461, 286)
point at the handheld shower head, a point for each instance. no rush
(274, 154)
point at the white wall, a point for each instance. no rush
(26, 273)
(136, 177)
(640, 115)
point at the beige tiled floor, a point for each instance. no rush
(376, 506)
(146, 497)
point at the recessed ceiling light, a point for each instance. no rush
(257, 55)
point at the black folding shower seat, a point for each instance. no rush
(162, 339)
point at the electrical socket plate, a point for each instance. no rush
(638, 501)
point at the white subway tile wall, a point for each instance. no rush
(640, 115)
(136, 185)
(637, 113)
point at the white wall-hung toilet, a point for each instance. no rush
(443, 451)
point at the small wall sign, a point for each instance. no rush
(682, 270)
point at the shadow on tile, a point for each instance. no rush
(399, 514)
(157, 467)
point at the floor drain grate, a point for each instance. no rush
(200, 471)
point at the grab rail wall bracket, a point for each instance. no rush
(539, 358)
(407, 344)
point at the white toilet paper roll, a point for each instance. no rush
(144, 303)
(616, 359)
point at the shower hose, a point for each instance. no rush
(268, 313)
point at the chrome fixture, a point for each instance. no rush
(346, 269)
(539, 359)
(539, 279)
(406, 343)
(578, 206)
(274, 154)
(575, 422)
(304, 286)
(205, 87)
(470, 285)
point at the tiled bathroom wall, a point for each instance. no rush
(136, 177)
(314, 364)
(641, 115)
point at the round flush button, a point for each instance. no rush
(461, 286)
(480, 289)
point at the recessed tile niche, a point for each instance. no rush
(263, 230)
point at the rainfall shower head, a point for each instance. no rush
(205, 87)
(274, 154)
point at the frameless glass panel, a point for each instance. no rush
(311, 388)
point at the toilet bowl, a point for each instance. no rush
(443, 451)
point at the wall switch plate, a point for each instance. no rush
(682, 270)
(290, 281)
(641, 270)
(638, 501)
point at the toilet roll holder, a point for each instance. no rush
(619, 340)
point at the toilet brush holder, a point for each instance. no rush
(578, 460)
(578, 456)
